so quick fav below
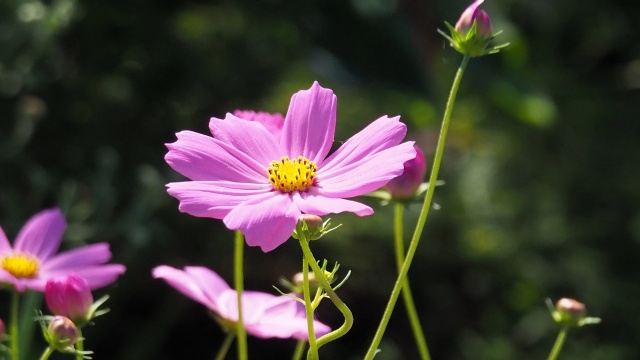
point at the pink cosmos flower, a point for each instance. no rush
(405, 186)
(69, 296)
(31, 262)
(260, 184)
(264, 315)
(474, 13)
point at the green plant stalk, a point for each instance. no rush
(557, 347)
(413, 245)
(47, 352)
(344, 309)
(297, 353)
(226, 344)
(15, 308)
(238, 264)
(312, 354)
(79, 345)
(409, 304)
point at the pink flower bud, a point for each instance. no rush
(405, 186)
(3, 330)
(62, 333)
(69, 296)
(471, 14)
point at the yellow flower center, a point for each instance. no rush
(21, 265)
(292, 175)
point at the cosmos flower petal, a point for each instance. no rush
(213, 199)
(5, 246)
(7, 278)
(314, 203)
(378, 136)
(309, 126)
(201, 157)
(211, 283)
(366, 175)
(249, 137)
(77, 258)
(271, 324)
(185, 284)
(97, 276)
(42, 233)
(266, 221)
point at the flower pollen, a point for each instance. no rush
(21, 265)
(292, 175)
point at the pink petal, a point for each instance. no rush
(266, 221)
(379, 135)
(314, 203)
(184, 283)
(201, 157)
(75, 259)
(248, 137)
(7, 278)
(214, 199)
(97, 276)
(5, 246)
(310, 124)
(367, 174)
(211, 283)
(41, 235)
(282, 319)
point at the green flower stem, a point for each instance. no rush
(395, 293)
(313, 345)
(47, 352)
(557, 347)
(79, 345)
(238, 263)
(226, 344)
(13, 330)
(418, 334)
(297, 353)
(344, 309)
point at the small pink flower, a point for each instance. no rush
(69, 296)
(405, 186)
(471, 14)
(264, 315)
(32, 261)
(260, 183)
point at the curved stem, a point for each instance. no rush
(15, 305)
(224, 348)
(313, 346)
(238, 264)
(344, 309)
(47, 352)
(562, 336)
(409, 304)
(395, 293)
(297, 353)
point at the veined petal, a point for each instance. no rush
(184, 283)
(41, 235)
(97, 276)
(5, 246)
(367, 174)
(201, 157)
(312, 202)
(214, 199)
(380, 135)
(266, 221)
(71, 260)
(249, 137)
(211, 283)
(310, 124)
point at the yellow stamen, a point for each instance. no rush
(21, 265)
(292, 175)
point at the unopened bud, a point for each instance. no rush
(471, 14)
(570, 312)
(405, 186)
(298, 281)
(69, 296)
(3, 331)
(62, 333)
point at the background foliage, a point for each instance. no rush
(541, 170)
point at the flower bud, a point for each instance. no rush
(62, 333)
(569, 312)
(310, 227)
(471, 14)
(298, 281)
(69, 296)
(3, 330)
(405, 186)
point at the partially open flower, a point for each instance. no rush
(471, 14)
(405, 186)
(69, 296)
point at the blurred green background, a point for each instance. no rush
(541, 167)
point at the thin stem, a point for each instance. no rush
(79, 345)
(395, 293)
(297, 353)
(344, 309)
(224, 348)
(313, 346)
(562, 336)
(15, 304)
(238, 263)
(409, 304)
(47, 352)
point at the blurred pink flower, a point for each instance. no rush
(406, 185)
(69, 296)
(471, 14)
(273, 122)
(264, 315)
(31, 262)
(261, 184)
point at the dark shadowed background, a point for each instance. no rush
(542, 163)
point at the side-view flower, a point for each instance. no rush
(32, 259)
(261, 183)
(264, 315)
